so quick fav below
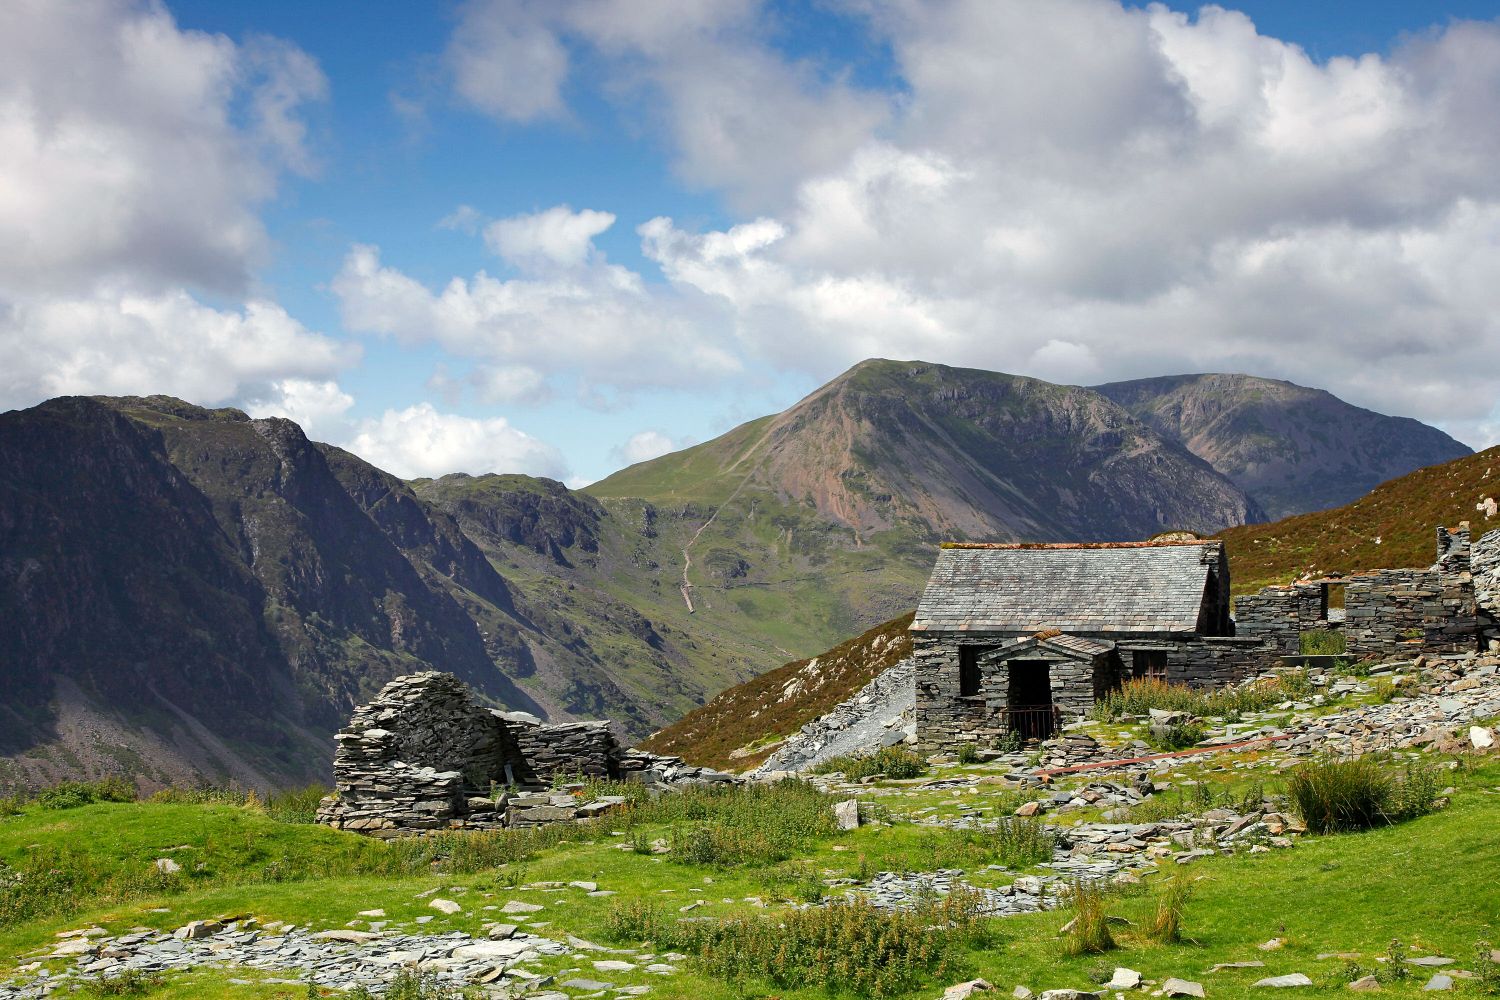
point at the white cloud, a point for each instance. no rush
(123, 343)
(507, 62)
(318, 407)
(422, 441)
(557, 237)
(121, 152)
(134, 157)
(581, 315)
(644, 446)
(1078, 190)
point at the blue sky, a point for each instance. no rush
(559, 237)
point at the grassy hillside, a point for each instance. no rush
(1348, 893)
(742, 726)
(1391, 526)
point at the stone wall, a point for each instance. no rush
(1274, 616)
(1215, 661)
(1484, 565)
(424, 756)
(1394, 610)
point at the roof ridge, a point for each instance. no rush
(1082, 545)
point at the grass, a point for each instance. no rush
(1335, 796)
(1138, 696)
(1088, 932)
(1351, 892)
(1322, 642)
(896, 763)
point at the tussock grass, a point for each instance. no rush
(1335, 796)
(1088, 931)
(1322, 642)
(1166, 923)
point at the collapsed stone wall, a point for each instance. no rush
(425, 756)
(1216, 661)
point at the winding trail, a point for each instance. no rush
(687, 554)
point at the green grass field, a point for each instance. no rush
(1430, 883)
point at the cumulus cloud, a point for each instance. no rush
(125, 343)
(318, 407)
(124, 154)
(571, 312)
(644, 446)
(422, 441)
(135, 156)
(1085, 191)
(558, 237)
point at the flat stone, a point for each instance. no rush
(445, 906)
(1124, 979)
(1180, 988)
(846, 814)
(520, 906)
(587, 984)
(489, 951)
(960, 991)
(1365, 984)
(1282, 982)
(351, 937)
(1238, 965)
(613, 965)
(499, 932)
(1430, 961)
(195, 929)
(371, 913)
(1481, 738)
(1438, 983)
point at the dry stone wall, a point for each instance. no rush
(424, 756)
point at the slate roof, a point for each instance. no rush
(1130, 587)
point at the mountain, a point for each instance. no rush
(1391, 526)
(195, 595)
(1292, 449)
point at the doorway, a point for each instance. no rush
(1029, 699)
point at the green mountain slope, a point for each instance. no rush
(1292, 449)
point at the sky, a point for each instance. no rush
(560, 237)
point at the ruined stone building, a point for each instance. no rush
(426, 756)
(1023, 637)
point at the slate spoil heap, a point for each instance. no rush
(424, 756)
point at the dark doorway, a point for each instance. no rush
(1029, 699)
(969, 676)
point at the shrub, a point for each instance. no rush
(796, 881)
(1322, 642)
(1017, 842)
(129, 983)
(1088, 931)
(1333, 796)
(1487, 967)
(1139, 695)
(72, 794)
(893, 762)
(296, 806)
(1166, 923)
(1178, 737)
(968, 754)
(846, 947)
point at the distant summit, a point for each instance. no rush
(1292, 449)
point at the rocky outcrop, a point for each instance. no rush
(425, 756)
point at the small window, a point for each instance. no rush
(1150, 664)
(968, 671)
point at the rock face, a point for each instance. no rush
(1292, 449)
(425, 756)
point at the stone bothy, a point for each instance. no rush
(425, 756)
(1020, 637)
